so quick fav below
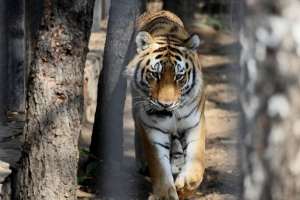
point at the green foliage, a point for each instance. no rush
(216, 24)
(89, 168)
(81, 178)
(114, 166)
(82, 151)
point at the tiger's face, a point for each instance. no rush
(164, 72)
(165, 78)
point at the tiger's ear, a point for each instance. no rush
(192, 43)
(143, 40)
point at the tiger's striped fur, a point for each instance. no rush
(168, 105)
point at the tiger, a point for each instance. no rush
(167, 91)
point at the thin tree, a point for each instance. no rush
(54, 103)
(270, 99)
(107, 138)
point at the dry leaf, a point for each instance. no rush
(12, 113)
(208, 178)
(89, 190)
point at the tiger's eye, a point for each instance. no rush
(179, 77)
(154, 75)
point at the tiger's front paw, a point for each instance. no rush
(168, 194)
(153, 197)
(187, 183)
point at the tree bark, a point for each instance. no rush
(270, 99)
(54, 102)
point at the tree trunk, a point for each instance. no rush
(3, 58)
(54, 103)
(107, 137)
(270, 100)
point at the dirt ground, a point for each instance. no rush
(219, 53)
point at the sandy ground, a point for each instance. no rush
(222, 179)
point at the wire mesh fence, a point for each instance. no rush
(224, 14)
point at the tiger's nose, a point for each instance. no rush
(164, 104)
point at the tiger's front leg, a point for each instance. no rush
(191, 174)
(156, 148)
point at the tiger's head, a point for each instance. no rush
(164, 70)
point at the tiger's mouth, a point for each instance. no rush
(160, 113)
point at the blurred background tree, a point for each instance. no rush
(270, 99)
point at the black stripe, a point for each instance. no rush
(153, 29)
(164, 146)
(152, 127)
(178, 58)
(147, 79)
(160, 49)
(146, 54)
(174, 29)
(189, 114)
(142, 81)
(176, 155)
(143, 70)
(185, 147)
(196, 97)
(135, 77)
(136, 70)
(183, 132)
(158, 56)
(187, 80)
(144, 85)
(175, 50)
(187, 129)
(173, 41)
(177, 44)
(193, 82)
(148, 61)
(173, 36)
